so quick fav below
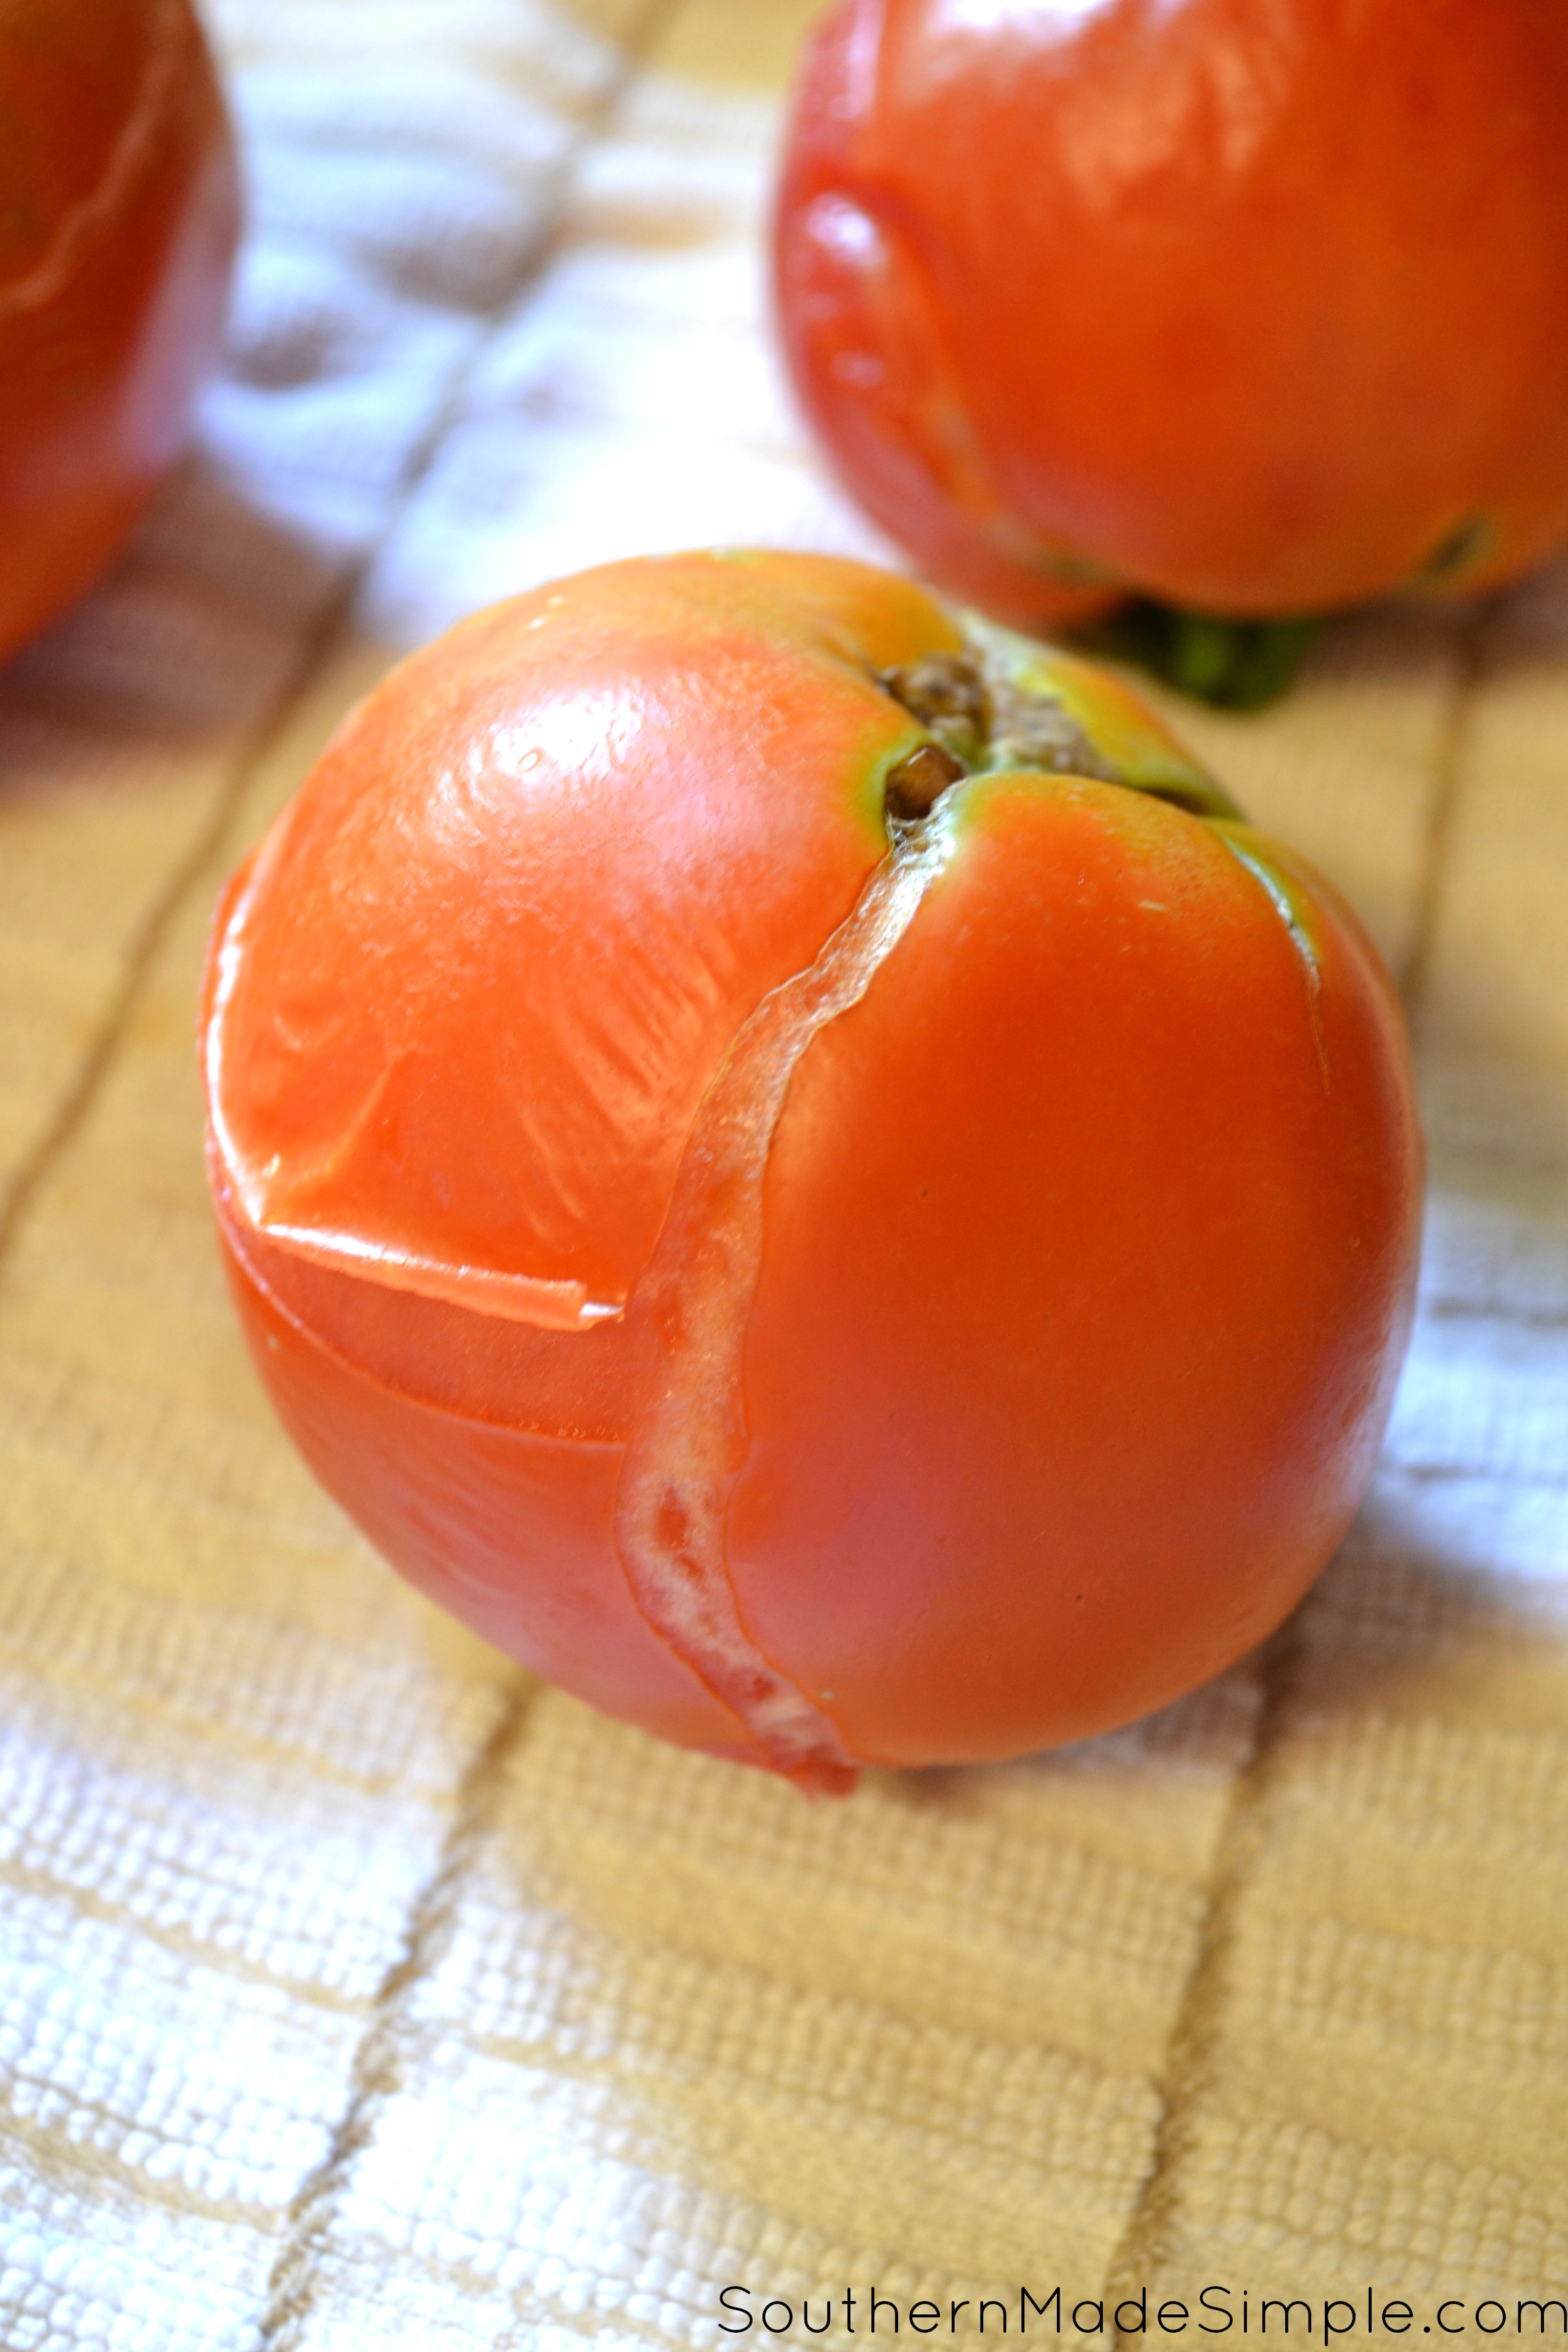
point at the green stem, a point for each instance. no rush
(1235, 665)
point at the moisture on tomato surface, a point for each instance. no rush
(791, 1158)
(1257, 310)
(119, 215)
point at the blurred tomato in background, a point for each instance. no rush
(1259, 306)
(118, 216)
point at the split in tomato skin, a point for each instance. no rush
(119, 218)
(1133, 296)
(511, 1529)
(1004, 1311)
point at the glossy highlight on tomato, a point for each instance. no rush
(1258, 310)
(792, 1159)
(119, 215)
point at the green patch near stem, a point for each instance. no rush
(1235, 665)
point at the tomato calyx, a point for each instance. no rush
(994, 707)
(1232, 662)
(948, 693)
(985, 719)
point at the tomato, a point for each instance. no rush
(1257, 310)
(799, 1165)
(118, 219)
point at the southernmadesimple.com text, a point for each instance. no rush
(1215, 2311)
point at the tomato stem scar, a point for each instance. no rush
(917, 783)
(982, 718)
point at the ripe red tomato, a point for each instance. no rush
(803, 1171)
(118, 219)
(1257, 308)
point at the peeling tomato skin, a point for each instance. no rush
(1088, 1225)
(1138, 291)
(554, 814)
(119, 217)
(509, 1530)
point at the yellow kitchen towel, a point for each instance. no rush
(356, 1991)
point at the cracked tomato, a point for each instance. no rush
(118, 219)
(1258, 309)
(793, 1159)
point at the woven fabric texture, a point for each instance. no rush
(356, 1991)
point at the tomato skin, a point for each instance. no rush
(509, 1529)
(120, 203)
(1152, 293)
(1224, 1317)
(1088, 1229)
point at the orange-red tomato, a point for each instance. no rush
(1258, 309)
(805, 1171)
(118, 219)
